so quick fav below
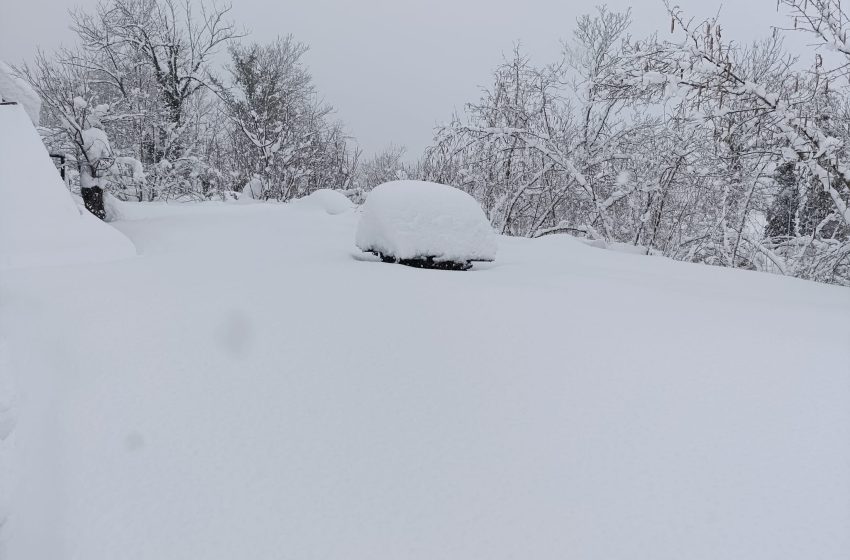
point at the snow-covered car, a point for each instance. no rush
(426, 225)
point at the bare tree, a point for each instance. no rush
(828, 21)
(173, 38)
(78, 118)
(543, 146)
(273, 105)
(679, 146)
(386, 165)
(763, 114)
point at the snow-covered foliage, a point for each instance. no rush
(197, 136)
(383, 167)
(15, 89)
(76, 124)
(253, 190)
(151, 57)
(273, 110)
(546, 150)
(678, 146)
(39, 222)
(771, 124)
(330, 201)
(407, 220)
(95, 144)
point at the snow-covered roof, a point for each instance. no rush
(13, 88)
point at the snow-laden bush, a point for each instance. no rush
(425, 224)
(331, 201)
(253, 189)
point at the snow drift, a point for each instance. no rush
(39, 222)
(418, 219)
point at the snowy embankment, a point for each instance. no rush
(258, 390)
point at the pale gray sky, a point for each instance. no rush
(394, 68)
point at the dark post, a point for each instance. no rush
(92, 193)
(61, 158)
(93, 199)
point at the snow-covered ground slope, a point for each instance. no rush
(39, 221)
(261, 390)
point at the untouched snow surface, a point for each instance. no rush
(415, 219)
(250, 387)
(39, 221)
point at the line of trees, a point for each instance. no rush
(695, 147)
(140, 106)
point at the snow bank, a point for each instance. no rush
(15, 89)
(332, 202)
(39, 221)
(417, 219)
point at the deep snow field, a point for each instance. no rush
(251, 386)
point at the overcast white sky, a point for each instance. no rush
(394, 68)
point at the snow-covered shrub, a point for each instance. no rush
(698, 148)
(253, 189)
(332, 202)
(278, 132)
(425, 224)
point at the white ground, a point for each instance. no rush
(251, 387)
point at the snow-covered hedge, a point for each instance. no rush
(418, 221)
